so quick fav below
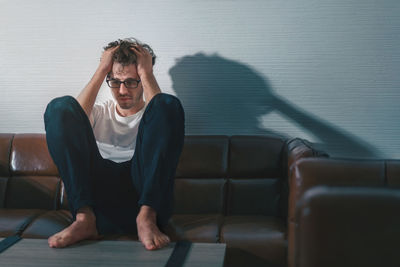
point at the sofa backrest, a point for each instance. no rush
(234, 175)
(28, 177)
(216, 174)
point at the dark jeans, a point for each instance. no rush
(115, 191)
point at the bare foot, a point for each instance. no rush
(149, 234)
(84, 227)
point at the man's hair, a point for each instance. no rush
(124, 55)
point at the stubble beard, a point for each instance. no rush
(129, 105)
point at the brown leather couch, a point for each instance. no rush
(232, 190)
(344, 212)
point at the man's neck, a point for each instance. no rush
(131, 111)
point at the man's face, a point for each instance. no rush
(126, 98)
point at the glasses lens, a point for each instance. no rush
(131, 83)
(114, 83)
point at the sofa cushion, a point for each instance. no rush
(194, 227)
(200, 196)
(11, 220)
(249, 238)
(203, 156)
(35, 192)
(253, 196)
(255, 157)
(30, 156)
(48, 223)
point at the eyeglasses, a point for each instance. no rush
(129, 83)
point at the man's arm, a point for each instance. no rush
(150, 86)
(145, 72)
(88, 95)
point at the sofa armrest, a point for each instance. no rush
(5, 151)
(294, 150)
(350, 226)
(298, 148)
(309, 172)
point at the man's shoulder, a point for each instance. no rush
(105, 103)
(104, 106)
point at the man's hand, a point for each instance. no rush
(88, 95)
(143, 61)
(144, 66)
(106, 60)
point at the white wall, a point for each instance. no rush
(325, 70)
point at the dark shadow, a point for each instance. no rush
(222, 96)
(236, 257)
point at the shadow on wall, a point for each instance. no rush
(222, 96)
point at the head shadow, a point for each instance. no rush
(222, 96)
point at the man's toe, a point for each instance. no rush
(149, 244)
(159, 243)
(52, 241)
(166, 239)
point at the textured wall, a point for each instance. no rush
(325, 70)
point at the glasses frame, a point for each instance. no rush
(120, 82)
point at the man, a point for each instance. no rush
(117, 159)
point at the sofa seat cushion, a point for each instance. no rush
(11, 220)
(48, 223)
(195, 227)
(254, 240)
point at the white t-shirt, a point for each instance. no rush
(115, 135)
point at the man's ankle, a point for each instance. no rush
(147, 212)
(85, 213)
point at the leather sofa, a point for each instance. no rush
(228, 189)
(344, 212)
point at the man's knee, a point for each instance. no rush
(168, 103)
(60, 111)
(59, 107)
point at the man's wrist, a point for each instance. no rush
(102, 70)
(146, 76)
